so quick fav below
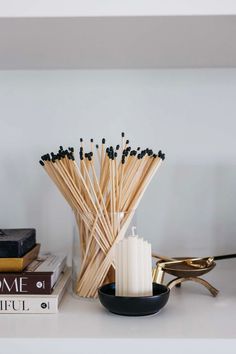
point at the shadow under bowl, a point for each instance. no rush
(134, 306)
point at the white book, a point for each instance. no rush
(18, 304)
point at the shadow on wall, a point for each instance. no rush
(30, 199)
(190, 210)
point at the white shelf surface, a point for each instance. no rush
(192, 320)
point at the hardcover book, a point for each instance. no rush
(38, 278)
(53, 263)
(16, 242)
(20, 263)
(20, 304)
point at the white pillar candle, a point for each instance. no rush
(141, 266)
(148, 269)
(124, 259)
(118, 273)
(133, 267)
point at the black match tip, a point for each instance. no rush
(122, 134)
(150, 153)
(138, 148)
(61, 147)
(117, 147)
(54, 156)
(103, 141)
(127, 142)
(115, 154)
(81, 140)
(41, 163)
(143, 153)
(111, 153)
(91, 140)
(163, 157)
(97, 146)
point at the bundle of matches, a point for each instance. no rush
(104, 190)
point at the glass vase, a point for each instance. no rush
(94, 239)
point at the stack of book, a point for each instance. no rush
(29, 282)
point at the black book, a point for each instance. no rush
(16, 242)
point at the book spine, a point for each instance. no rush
(11, 265)
(27, 305)
(25, 283)
(57, 272)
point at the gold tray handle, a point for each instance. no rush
(208, 286)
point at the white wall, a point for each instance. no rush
(190, 206)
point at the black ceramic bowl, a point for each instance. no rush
(133, 306)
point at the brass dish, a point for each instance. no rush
(184, 269)
(188, 270)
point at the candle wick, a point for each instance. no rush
(133, 230)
